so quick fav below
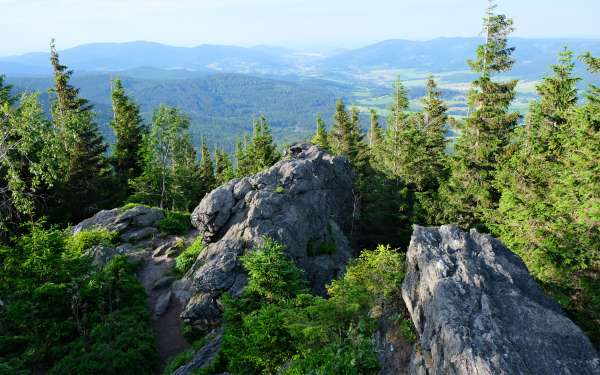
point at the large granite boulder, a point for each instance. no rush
(305, 202)
(478, 311)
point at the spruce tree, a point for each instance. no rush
(207, 169)
(82, 189)
(432, 124)
(244, 164)
(5, 93)
(128, 126)
(469, 195)
(321, 138)
(224, 171)
(346, 137)
(400, 140)
(374, 136)
(263, 150)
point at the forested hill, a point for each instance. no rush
(221, 106)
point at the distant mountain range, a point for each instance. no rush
(223, 87)
(437, 55)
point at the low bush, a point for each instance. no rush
(276, 321)
(62, 315)
(175, 223)
(186, 259)
(87, 239)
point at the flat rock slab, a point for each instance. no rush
(478, 311)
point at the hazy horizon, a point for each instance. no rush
(303, 25)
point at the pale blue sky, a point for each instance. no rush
(28, 25)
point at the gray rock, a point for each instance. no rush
(164, 282)
(101, 254)
(162, 303)
(118, 220)
(304, 202)
(136, 235)
(478, 311)
(203, 357)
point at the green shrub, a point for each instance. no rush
(80, 242)
(407, 329)
(175, 223)
(129, 206)
(277, 322)
(279, 189)
(186, 259)
(67, 316)
(184, 357)
(327, 248)
(272, 275)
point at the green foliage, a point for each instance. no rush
(407, 329)
(84, 172)
(321, 138)
(175, 222)
(272, 276)
(184, 357)
(129, 128)
(67, 317)
(255, 154)
(87, 239)
(186, 259)
(267, 328)
(469, 195)
(29, 160)
(170, 173)
(129, 206)
(280, 189)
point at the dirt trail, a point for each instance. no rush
(168, 327)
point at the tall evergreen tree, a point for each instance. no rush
(264, 151)
(207, 169)
(82, 189)
(346, 137)
(321, 138)
(470, 196)
(128, 126)
(375, 133)
(224, 170)
(5, 93)
(400, 140)
(432, 124)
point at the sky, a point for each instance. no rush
(28, 25)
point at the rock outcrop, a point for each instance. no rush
(304, 201)
(478, 311)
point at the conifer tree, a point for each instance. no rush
(469, 195)
(5, 92)
(263, 150)
(400, 139)
(128, 126)
(244, 165)
(432, 124)
(82, 189)
(321, 138)
(207, 170)
(374, 135)
(346, 136)
(224, 171)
